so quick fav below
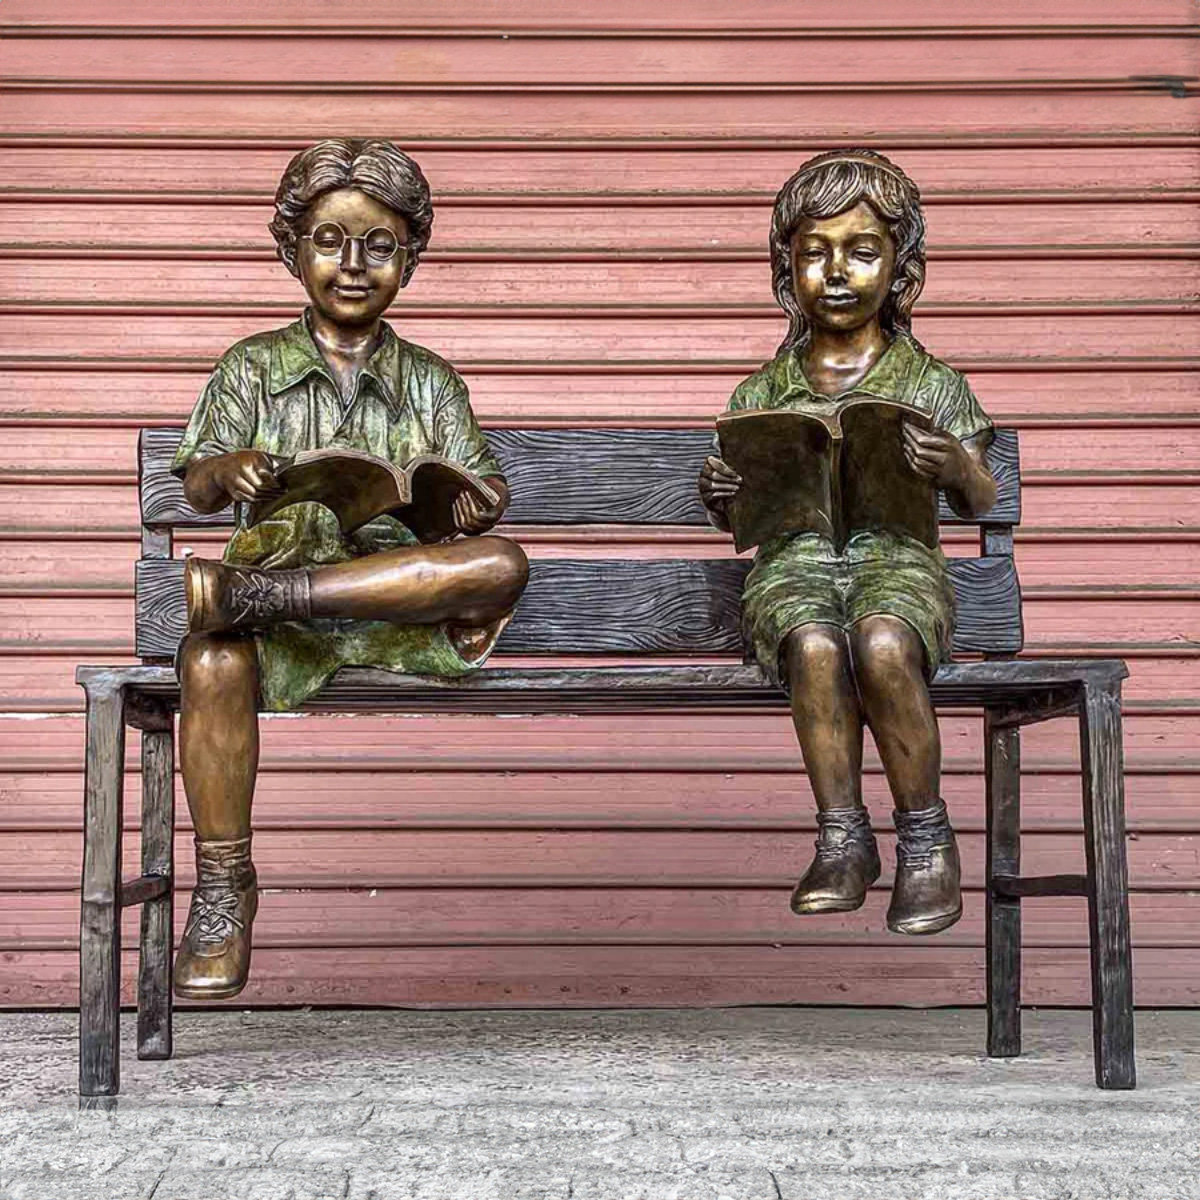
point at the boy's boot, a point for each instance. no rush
(846, 864)
(223, 597)
(214, 955)
(925, 896)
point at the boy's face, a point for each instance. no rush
(353, 287)
(842, 267)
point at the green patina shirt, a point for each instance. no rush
(274, 392)
(801, 577)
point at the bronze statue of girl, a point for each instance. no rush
(853, 635)
(294, 599)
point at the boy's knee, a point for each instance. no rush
(214, 664)
(508, 568)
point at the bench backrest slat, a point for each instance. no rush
(633, 606)
(605, 606)
(573, 477)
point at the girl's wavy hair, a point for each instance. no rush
(372, 165)
(830, 184)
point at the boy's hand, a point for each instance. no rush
(719, 483)
(244, 475)
(472, 516)
(937, 456)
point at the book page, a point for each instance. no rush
(879, 490)
(356, 486)
(785, 461)
(435, 484)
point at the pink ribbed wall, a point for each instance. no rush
(603, 174)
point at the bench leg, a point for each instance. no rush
(1108, 886)
(158, 915)
(100, 909)
(1002, 772)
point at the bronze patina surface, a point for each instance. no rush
(295, 599)
(853, 633)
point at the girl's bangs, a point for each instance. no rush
(830, 192)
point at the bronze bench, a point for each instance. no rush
(619, 608)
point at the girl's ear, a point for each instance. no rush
(905, 289)
(906, 300)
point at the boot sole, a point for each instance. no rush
(193, 587)
(186, 993)
(808, 908)
(927, 925)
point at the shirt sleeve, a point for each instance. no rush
(223, 419)
(957, 411)
(457, 433)
(752, 392)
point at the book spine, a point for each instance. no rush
(837, 505)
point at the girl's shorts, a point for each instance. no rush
(802, 579)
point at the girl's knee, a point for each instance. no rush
(886, 647)
(814, 651)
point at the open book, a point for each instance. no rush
(359, 487)
(833, 474)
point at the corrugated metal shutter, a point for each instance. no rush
(603, 177)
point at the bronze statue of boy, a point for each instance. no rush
(295, 598)
(854, 632)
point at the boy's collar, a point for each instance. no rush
(294, 356)
(894, 375)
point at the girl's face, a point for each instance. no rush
(842, 268)
(353, 285)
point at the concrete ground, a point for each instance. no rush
(744, 1104)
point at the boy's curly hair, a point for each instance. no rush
(830, 184)
(372, 165)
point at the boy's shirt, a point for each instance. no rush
(274, 392)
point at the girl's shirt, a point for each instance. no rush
(904, 372)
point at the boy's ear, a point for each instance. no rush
(288, 255)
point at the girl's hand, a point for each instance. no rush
(719, 483)
(937, 456)
(244, 475)
(472, 516)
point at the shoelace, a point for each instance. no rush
(214, 917)
(854, 823)
(920, 833)
(255, 596)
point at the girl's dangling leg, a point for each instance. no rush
(829, 725)
(889, 664)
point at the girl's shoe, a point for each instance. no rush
(846, 864)
(925, 896)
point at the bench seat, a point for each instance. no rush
(1033, 691)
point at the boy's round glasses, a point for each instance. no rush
(380, 244)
